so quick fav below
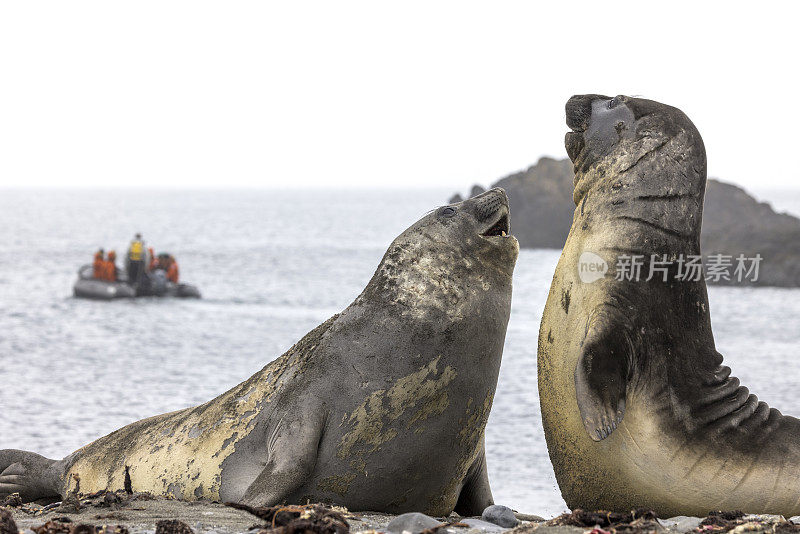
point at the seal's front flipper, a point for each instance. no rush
(476, 494)
(291, 457)
(31, 475)
(601, 376)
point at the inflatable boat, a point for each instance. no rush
(154, 285)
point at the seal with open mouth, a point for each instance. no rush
(382, 407)
(637, 408)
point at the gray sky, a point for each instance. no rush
(333, 94)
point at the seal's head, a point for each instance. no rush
(450, 257)
(477, 229)
(610, 136)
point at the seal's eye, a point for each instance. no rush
(447, 211)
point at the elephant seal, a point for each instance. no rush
(637, 408)
(382, 407)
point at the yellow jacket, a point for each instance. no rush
(136, 252)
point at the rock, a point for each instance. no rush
(541, 204)
(110, 498)
(70, 505)
(479, 525)
(412, 522)
(734, 222)
(681, 523)
(455, 199)
(7, 523)
(500, 515)
(173, 526)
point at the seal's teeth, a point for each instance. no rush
(503, 233)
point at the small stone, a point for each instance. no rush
(412, 523)
(70, 505)
(173, 526)
(500, 515)
(681, 523)
(110, 498)
(479, 525)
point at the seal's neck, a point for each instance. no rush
(448, 303)
(645, 205)
(647, 198)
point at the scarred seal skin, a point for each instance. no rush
(382, 407)
(637, 408)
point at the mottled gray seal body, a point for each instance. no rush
(382, 407)
(637, 408)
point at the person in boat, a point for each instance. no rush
(153, 265)
(110, 270)
(99, 265)
(136, 261)
(163, 260)
(172, 270)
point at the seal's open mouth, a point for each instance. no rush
(491, 208)
(501, 228)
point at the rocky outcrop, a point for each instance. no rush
(734, 223)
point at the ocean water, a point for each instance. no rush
(271, 266)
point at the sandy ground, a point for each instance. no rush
(141, 512)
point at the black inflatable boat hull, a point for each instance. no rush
(157, 285)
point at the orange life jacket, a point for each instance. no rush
(98, 267)
(110, 271)
(172, 272)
